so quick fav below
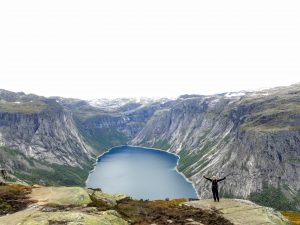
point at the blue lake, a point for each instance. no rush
(141, 173)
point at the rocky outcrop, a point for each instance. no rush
(75, 205)
(61, 205)
(241, 212)
(107, 199)
(38, 137)
(48, 135)
(63, 196)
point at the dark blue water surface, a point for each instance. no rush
(141, 173)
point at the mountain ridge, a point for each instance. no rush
(252, 136)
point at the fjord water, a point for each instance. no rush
(141, 173)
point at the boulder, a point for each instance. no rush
(75, 196)
(109, 199)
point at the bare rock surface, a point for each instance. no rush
(242, 211)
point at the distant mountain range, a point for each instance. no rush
(252, 137)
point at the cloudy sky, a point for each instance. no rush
(117, 48)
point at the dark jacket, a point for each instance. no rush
(214, 183)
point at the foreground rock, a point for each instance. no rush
(61, 205)
(36, 217)
(110, 200)
(242, 212)
(79, 206)
(75, 205)
(74, 196)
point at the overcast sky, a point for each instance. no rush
(95, 49)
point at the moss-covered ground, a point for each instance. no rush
(294, 217)
(13, 198)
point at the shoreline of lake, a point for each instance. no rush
(144, 148)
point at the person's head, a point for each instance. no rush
(214, 178)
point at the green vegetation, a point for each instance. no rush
(273, 113)
(160, 112)
(89, 112)
(41, 172)
(293, 108)
(13, 198)
(227, 138)
(162, 144)
(140, 212)
(187, 158)
(57, 175)
(136, 123)
(23, 107)
(226, 194)
(293, 159)
(102, 139)
(275, 198)
(294, 217)
(9, 151)
(14, 155)
(267, 127)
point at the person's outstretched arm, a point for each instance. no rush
(207, 178)
(221, 179)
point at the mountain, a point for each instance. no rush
(252, 137)
(40, 142)
(56, 140)
(106, 123)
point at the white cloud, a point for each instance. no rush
(93, 49)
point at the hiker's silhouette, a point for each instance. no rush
(214, 186)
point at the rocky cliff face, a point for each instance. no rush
(253, 138)
(40, 131)
(56, 140)
(106, 123)
(47, 135)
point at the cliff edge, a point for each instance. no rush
(38, 205)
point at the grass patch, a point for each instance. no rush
(57, 175)
(35, 171)
(144, 212)
(273, 114)
(187, 159)
(13, 198)
(294, 217)
(162, 144)
(227, 138)
(22, 107)
(293, 159)
(160, 211)
(274, 198)
(227, 194)
(10, 151)
(101, 138)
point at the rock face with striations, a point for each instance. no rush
(34, 130)
(107, 123)
(253, 138)
(46, 135)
